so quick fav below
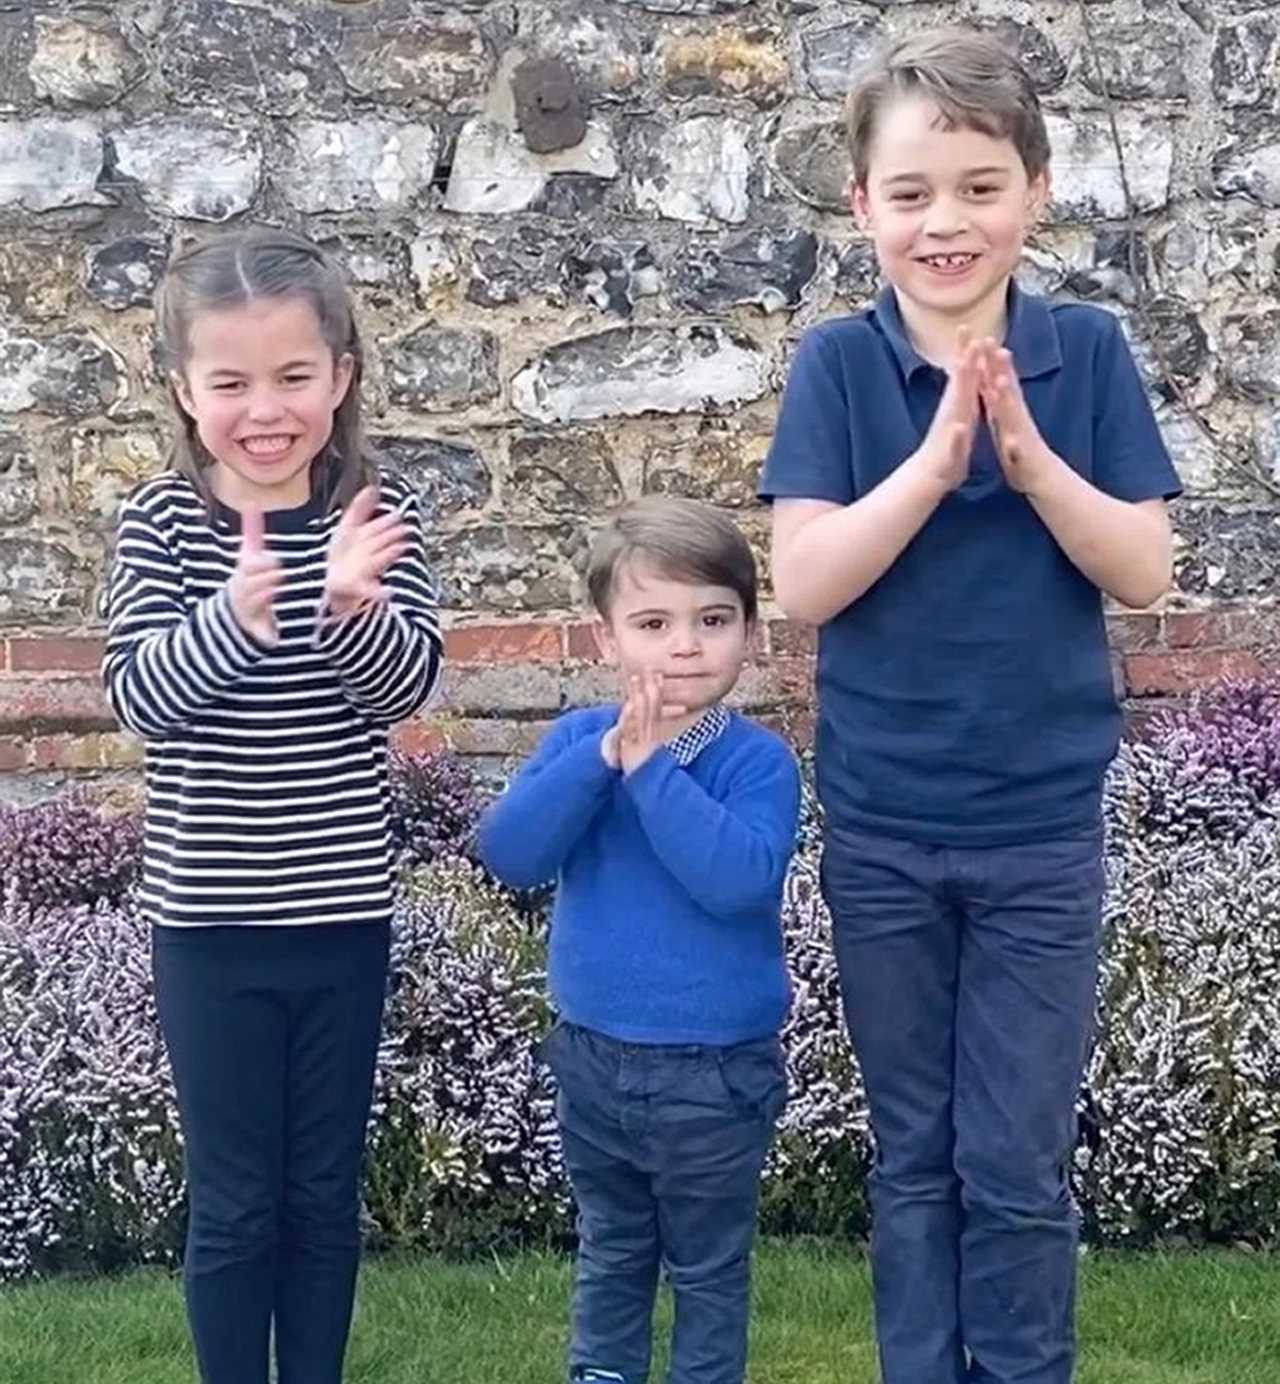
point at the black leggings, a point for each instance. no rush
(273, 1034)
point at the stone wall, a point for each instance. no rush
(585, 238)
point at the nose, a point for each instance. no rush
(945, 218)
(264, 405)
(686, 641)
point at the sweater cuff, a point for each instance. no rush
(648, 780)
(218, 612)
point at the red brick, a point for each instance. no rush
(419, 736)
(580, 642)
(1199, 629)
(13, 753)
(1239, 628)
(775, 683)
(1176, 673)
(791, 637)
(93, 751)
(1131, 633)
(48, 705)
(592, 685)
(55, 654)
(489, 689)
(503, 643)
(796, 726)
(501, 738)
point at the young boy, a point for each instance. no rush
(956, 476)
(668, 824)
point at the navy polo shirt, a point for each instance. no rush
(967, 697)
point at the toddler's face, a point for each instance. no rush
(694, 635)
(947, 208)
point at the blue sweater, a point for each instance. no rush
(667, 917)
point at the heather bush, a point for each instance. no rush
(464, 1150)
(435, 805)
(90, 1165)
(68, 851)
(1212, 769)
(1180, 1110)
(1181, 1107)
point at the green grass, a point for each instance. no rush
(1150, 1319)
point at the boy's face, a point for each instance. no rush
(948, 210)
(694, 635)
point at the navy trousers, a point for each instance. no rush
(968, 978)
(272, 1034)
(664, 1146)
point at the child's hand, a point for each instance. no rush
(360, 551)
(948, 444)
(1025, 457)
(640, 728)
(255, 581)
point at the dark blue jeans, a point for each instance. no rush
(272, 1034)
(664, 1146)
(968, 978)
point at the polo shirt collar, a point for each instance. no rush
(1031, 334)
(690, 743)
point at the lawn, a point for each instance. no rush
(1152, 1319)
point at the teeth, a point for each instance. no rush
(266, 446)
(950, 261)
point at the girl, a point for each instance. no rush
(270, 615)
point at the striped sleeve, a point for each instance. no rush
(389, 659)
(163, 664)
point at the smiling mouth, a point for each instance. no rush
(949, 264)
(267, 446)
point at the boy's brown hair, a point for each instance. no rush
(973, 77)
(684, 539)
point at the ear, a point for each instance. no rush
(343, 371)
(605, 641)
(1038, 192)
(182, 392)
(753, 645)
(860, 205)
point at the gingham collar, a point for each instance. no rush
(707, 729)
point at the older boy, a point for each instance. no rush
(668, 824)
(958, 473)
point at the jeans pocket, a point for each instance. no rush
(549, 1049)
(755, 1075)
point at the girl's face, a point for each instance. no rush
(261, 385)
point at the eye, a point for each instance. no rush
(297, 379)
(653, 623)
(226, 386)
(715, 621)
(906, 198)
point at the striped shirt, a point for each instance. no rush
(266, 767)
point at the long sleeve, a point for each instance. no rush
(729, 856)
(164, 663)
(526, 836)
(390, 659)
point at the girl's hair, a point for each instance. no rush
(239, 267)
(974, 78)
